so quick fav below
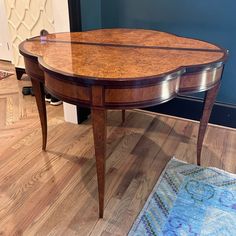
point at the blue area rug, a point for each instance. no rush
(189, 200)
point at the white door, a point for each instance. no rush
(5, 50)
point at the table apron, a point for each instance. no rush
(112, 97)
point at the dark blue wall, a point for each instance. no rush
(210, 20)
(90, 14)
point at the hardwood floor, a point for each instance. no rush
(55, 192)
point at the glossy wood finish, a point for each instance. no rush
(38, 89)
(199, 81)
(99, 135)
(207, 108)
(37, 78)
(77, 93)
(32, 69)
(123, 68)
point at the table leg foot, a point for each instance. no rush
(208, 105)
(99, 134)
(38, 89)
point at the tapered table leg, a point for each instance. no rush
(99, 134)
(38, 89)
(208, 105)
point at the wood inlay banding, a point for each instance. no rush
(75, 92)
(161, 91)
(32, 68)
(199, 81)
(127, 45)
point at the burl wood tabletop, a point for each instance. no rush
(121, 54)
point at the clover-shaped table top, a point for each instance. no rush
(122, 54)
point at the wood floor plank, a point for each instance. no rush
(92, 178)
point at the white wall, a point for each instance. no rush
(62, 24)
(5, 45)
(61, 15)
(25, 19)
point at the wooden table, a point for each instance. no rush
(121, 69)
